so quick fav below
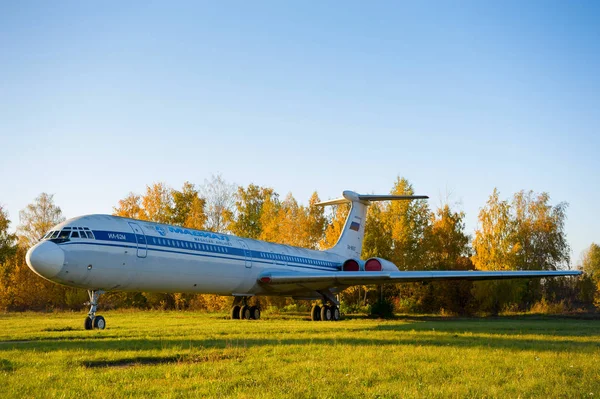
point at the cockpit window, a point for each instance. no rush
(64, 234)
(72, 232)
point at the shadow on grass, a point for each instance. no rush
(132, 361)
(442, 341)
(173, 359)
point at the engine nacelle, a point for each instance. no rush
(378, 265)
(353, 265)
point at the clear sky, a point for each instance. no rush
(98, 99)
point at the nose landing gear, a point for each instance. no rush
(92, 321)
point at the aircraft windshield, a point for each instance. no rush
(64, 234)
(68, 233)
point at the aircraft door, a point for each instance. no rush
(247, 253)
(140, 238)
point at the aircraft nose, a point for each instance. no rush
(46, 259)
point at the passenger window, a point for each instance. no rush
(75, 234)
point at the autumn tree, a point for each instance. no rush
(496, 237)
(220, 201)
(246, 221)
(130, 207)
(188, 207)
(271, 219)
(37, 218)
(377, 241)
(540, 235)
(590, 264)
(448, 249)
(157, 203)
(7, 239)
(527, 233)
(335, 226)
(7, 252)
(407, 222)
(315, 222)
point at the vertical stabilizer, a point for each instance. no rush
(350, 242)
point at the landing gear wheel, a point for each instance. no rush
(245, 313)
(315, 313)
(235, 312)
(99, 323)
(92, 321)
(255, 313)
(335, 313)
(326, 313)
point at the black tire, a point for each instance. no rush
(245, 313)
(255, 313)
(315, 313)
(326, 313)
(235, 312)
(88, 324)
(335, 313)
(99, 323)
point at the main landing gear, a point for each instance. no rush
(241, 309)
(329, 311)
(92, 321)
(325, 313)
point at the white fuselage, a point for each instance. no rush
(132, 255)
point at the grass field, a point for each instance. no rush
(187, 354)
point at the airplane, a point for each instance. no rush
(103, 253)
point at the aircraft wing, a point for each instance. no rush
(282, 281)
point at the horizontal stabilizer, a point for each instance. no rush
(350, 196)
(391, 197)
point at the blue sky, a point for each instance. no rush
(100, 99)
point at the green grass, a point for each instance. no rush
(187, 354)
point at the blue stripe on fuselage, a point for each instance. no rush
(199, 246)
(208, 255)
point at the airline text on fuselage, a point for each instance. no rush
(204, 234)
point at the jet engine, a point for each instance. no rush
(353, 265)
(378, 265)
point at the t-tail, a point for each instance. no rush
(350, 242)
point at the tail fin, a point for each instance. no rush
(350, 242)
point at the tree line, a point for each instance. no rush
(524, 232)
